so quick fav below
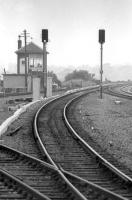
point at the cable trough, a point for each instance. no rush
(65, 150)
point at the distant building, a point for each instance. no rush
(34, 57)
(16, 83)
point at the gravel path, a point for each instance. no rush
(110, 122)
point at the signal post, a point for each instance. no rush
(44, 40)
(101, 41)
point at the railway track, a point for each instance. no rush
(119, 92)
(40, 176)
(12, 188)
(65, 150)
(35, 178)
(26, 177)
(39, 180)
(22, 167)
(72, 124)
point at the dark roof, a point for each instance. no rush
(30, 48)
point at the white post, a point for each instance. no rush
(36, 88)
(49, 86)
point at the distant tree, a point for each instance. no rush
(107, 81)
(54, 78)
(80, 74)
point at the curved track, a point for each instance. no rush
(119, 92)
(75, 173)
(21, 174)
(67, 151)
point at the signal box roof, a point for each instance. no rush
(31, 48)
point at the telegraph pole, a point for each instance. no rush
(25, 39)
(101, 69)
(101, 41)
(44, 40)
(25, 35)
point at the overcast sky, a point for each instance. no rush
(73, 29)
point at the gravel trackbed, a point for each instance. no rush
(110, 121)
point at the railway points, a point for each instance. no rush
(60, 165)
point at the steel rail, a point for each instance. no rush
(128, 92)
(28, 157)
(20, 186)
(102, 160)
(44, 151)
(46, 165)
(62, 172)
(115, 93)
(69, 175)
(22, 155)
(36, 134)
(106, 192)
